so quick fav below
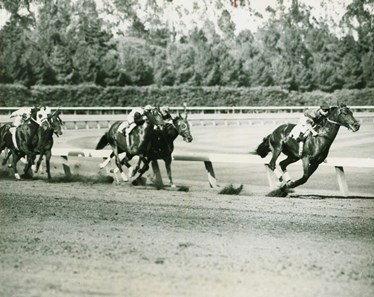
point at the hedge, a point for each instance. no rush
(92, 95)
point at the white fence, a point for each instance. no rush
(209, 159)
(190, 110)
(103, 117)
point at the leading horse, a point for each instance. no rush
(315, 150)
(51, 125)
(133, 145)
(161, 145)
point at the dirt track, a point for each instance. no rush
(81, 239)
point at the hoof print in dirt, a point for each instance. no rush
(160, 261)
(183, 188)
(231, 190)
(26, 176)
(139, 181)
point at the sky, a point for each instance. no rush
(243, 19)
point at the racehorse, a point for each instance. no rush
(3, 130)
(315, 150)
(161, 145)
(138, 140)
(24, 142)
(51, 125)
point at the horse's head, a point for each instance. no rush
(55, 122)
(344, 117)
(183, 127)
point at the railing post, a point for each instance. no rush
(65, 165)
(271, 177)
(211, 175)
(342, 182)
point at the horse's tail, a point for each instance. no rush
(102, 142)
(264, 148)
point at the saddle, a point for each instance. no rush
(301, 132)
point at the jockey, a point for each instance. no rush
(20, 116)
(134, 118)
(43, 114)
(306, 124)
(165, 112)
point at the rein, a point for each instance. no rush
(333, 122)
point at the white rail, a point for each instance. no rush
(209, 159)
(103, 117)
(190, 109)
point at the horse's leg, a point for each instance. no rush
(106, 161)
(132, 170)
(144, 168)
(38, 162)
(309, 169)
(119, 165)
(168, 170)
(15, 159)
(48, 155)
(7, 156)
(31, 159)
(272, 164)
(283, 165)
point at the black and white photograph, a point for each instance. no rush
(178, 148)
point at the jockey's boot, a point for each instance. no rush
(301, 147)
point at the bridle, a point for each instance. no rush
(334, 122)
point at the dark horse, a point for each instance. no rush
(161, 145)
(32, 139)
(52, 125)
(138, 138)
(24, 137)
(315, 149)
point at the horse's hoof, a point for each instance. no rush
(101, 165)
(173, 186)
(9, 165)
(131, 172)
(17, 176)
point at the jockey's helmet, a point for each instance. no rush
(165, 109)
(148, 107)
(325, 106)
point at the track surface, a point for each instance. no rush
(89, 239)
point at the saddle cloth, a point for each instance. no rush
(298, 130)
(123, 126)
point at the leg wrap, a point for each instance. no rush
(277, 172)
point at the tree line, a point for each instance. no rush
(68, 43)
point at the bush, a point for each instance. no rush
(93, 95)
